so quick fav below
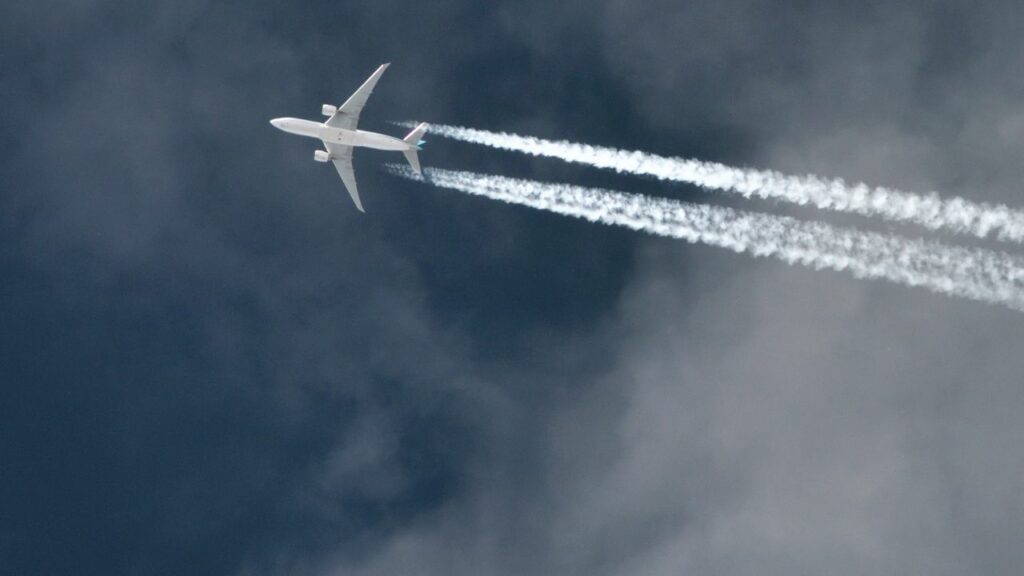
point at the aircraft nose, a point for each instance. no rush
(276, 122)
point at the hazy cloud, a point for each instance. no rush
(211, 364)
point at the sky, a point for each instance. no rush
(211, 363)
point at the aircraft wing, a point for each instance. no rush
(341, 157)
(348, 115)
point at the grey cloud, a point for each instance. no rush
(856, 81)
(270, 322)
(322, 394)
(761, 419)
(761, 427)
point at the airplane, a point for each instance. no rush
(340, 136)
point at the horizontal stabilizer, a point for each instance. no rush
(414, 139)
(414, 160)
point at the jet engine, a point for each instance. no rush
(328, 110)
(321, 156)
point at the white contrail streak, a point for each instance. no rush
(977, 274)
(928, 210)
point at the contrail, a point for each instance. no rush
(977, 274)
(928, 210)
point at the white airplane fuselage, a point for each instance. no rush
(342, 136)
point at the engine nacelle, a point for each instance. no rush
(328, 110)
(321, 156)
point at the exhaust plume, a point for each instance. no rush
(927, 210)
(982, 275)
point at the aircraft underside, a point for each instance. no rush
(340, 135)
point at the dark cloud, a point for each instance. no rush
(210, 363)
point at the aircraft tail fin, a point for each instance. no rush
(414, 139)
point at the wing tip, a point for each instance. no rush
(359, 205)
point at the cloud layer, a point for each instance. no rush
(210, 364)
